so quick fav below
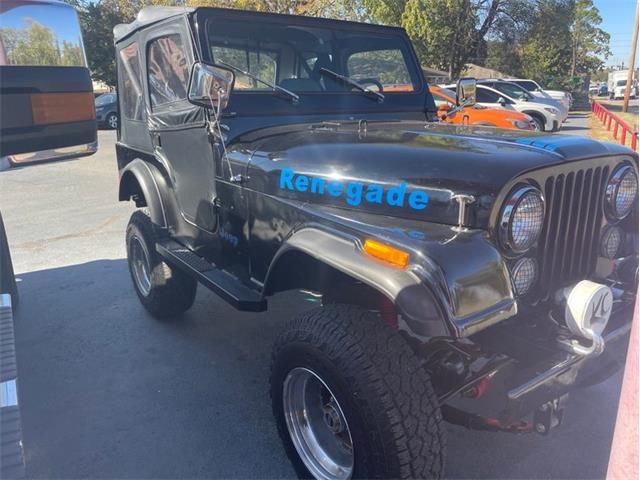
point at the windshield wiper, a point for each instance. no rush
(351, 82)
(292, 96)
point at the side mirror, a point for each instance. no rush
(502, 101)
(210, 86)
(466, 91)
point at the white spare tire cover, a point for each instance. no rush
(588, 308)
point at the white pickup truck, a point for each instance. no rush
(617, 84)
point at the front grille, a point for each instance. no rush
(568, 246)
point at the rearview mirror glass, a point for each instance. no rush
(466, 91)
(210, 86)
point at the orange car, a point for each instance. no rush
(477, 114)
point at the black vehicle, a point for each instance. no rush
(107, 110)
(266, 155)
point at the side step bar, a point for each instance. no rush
(227, 286)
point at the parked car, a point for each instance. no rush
(516, 91)
(107, 110)
(265, 155)
(536, 89)
(545, 117)
(450, 112)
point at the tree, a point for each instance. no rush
(97, 19)
(546, 54)
(589, 43)
(446, 33)
(72, 54)
(33, 45)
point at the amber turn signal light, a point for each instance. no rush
(386, 253)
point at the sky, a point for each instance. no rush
(617, 20)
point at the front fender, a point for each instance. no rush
(343, 252)
(456, 284)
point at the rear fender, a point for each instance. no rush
(144, 183)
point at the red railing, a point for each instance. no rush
(607, 118)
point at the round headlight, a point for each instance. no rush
(622, 191)
(524, 274)
(522, 219)
(611, 242)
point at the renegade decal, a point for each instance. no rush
(354, 192)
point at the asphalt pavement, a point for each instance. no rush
(109, 392)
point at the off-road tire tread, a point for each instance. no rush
(389, 386)
(172, 291)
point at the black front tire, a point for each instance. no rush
(386, 395)
(167, 291)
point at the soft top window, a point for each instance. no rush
(168, 70)
(130, 82)
(293, 56)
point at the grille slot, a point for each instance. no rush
(569, 240)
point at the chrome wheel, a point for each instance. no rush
(140, 266)
(317, 425)
(112, 121)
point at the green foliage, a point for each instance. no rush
(590, 44)
(551, 41)
(547, 51)
(36, 44)
(97, 19)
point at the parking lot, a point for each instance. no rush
(109, 392)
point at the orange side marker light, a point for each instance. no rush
(386, 253)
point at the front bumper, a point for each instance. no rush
(540, 372)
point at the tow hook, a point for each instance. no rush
(549, 415)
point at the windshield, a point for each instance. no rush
(105, 99)
(512, 90)
(621, 83)
(294, 56)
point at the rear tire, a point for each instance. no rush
(163, 290)
(382, 392)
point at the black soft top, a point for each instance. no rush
(147, 16)
(150, 15)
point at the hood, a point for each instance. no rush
(403, 169)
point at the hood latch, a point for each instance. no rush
(463, 203)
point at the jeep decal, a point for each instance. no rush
(354, 192)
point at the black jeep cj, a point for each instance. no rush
(270, 153)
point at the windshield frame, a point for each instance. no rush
(249, 102)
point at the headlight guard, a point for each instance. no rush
(621, 193)
(521, 219)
